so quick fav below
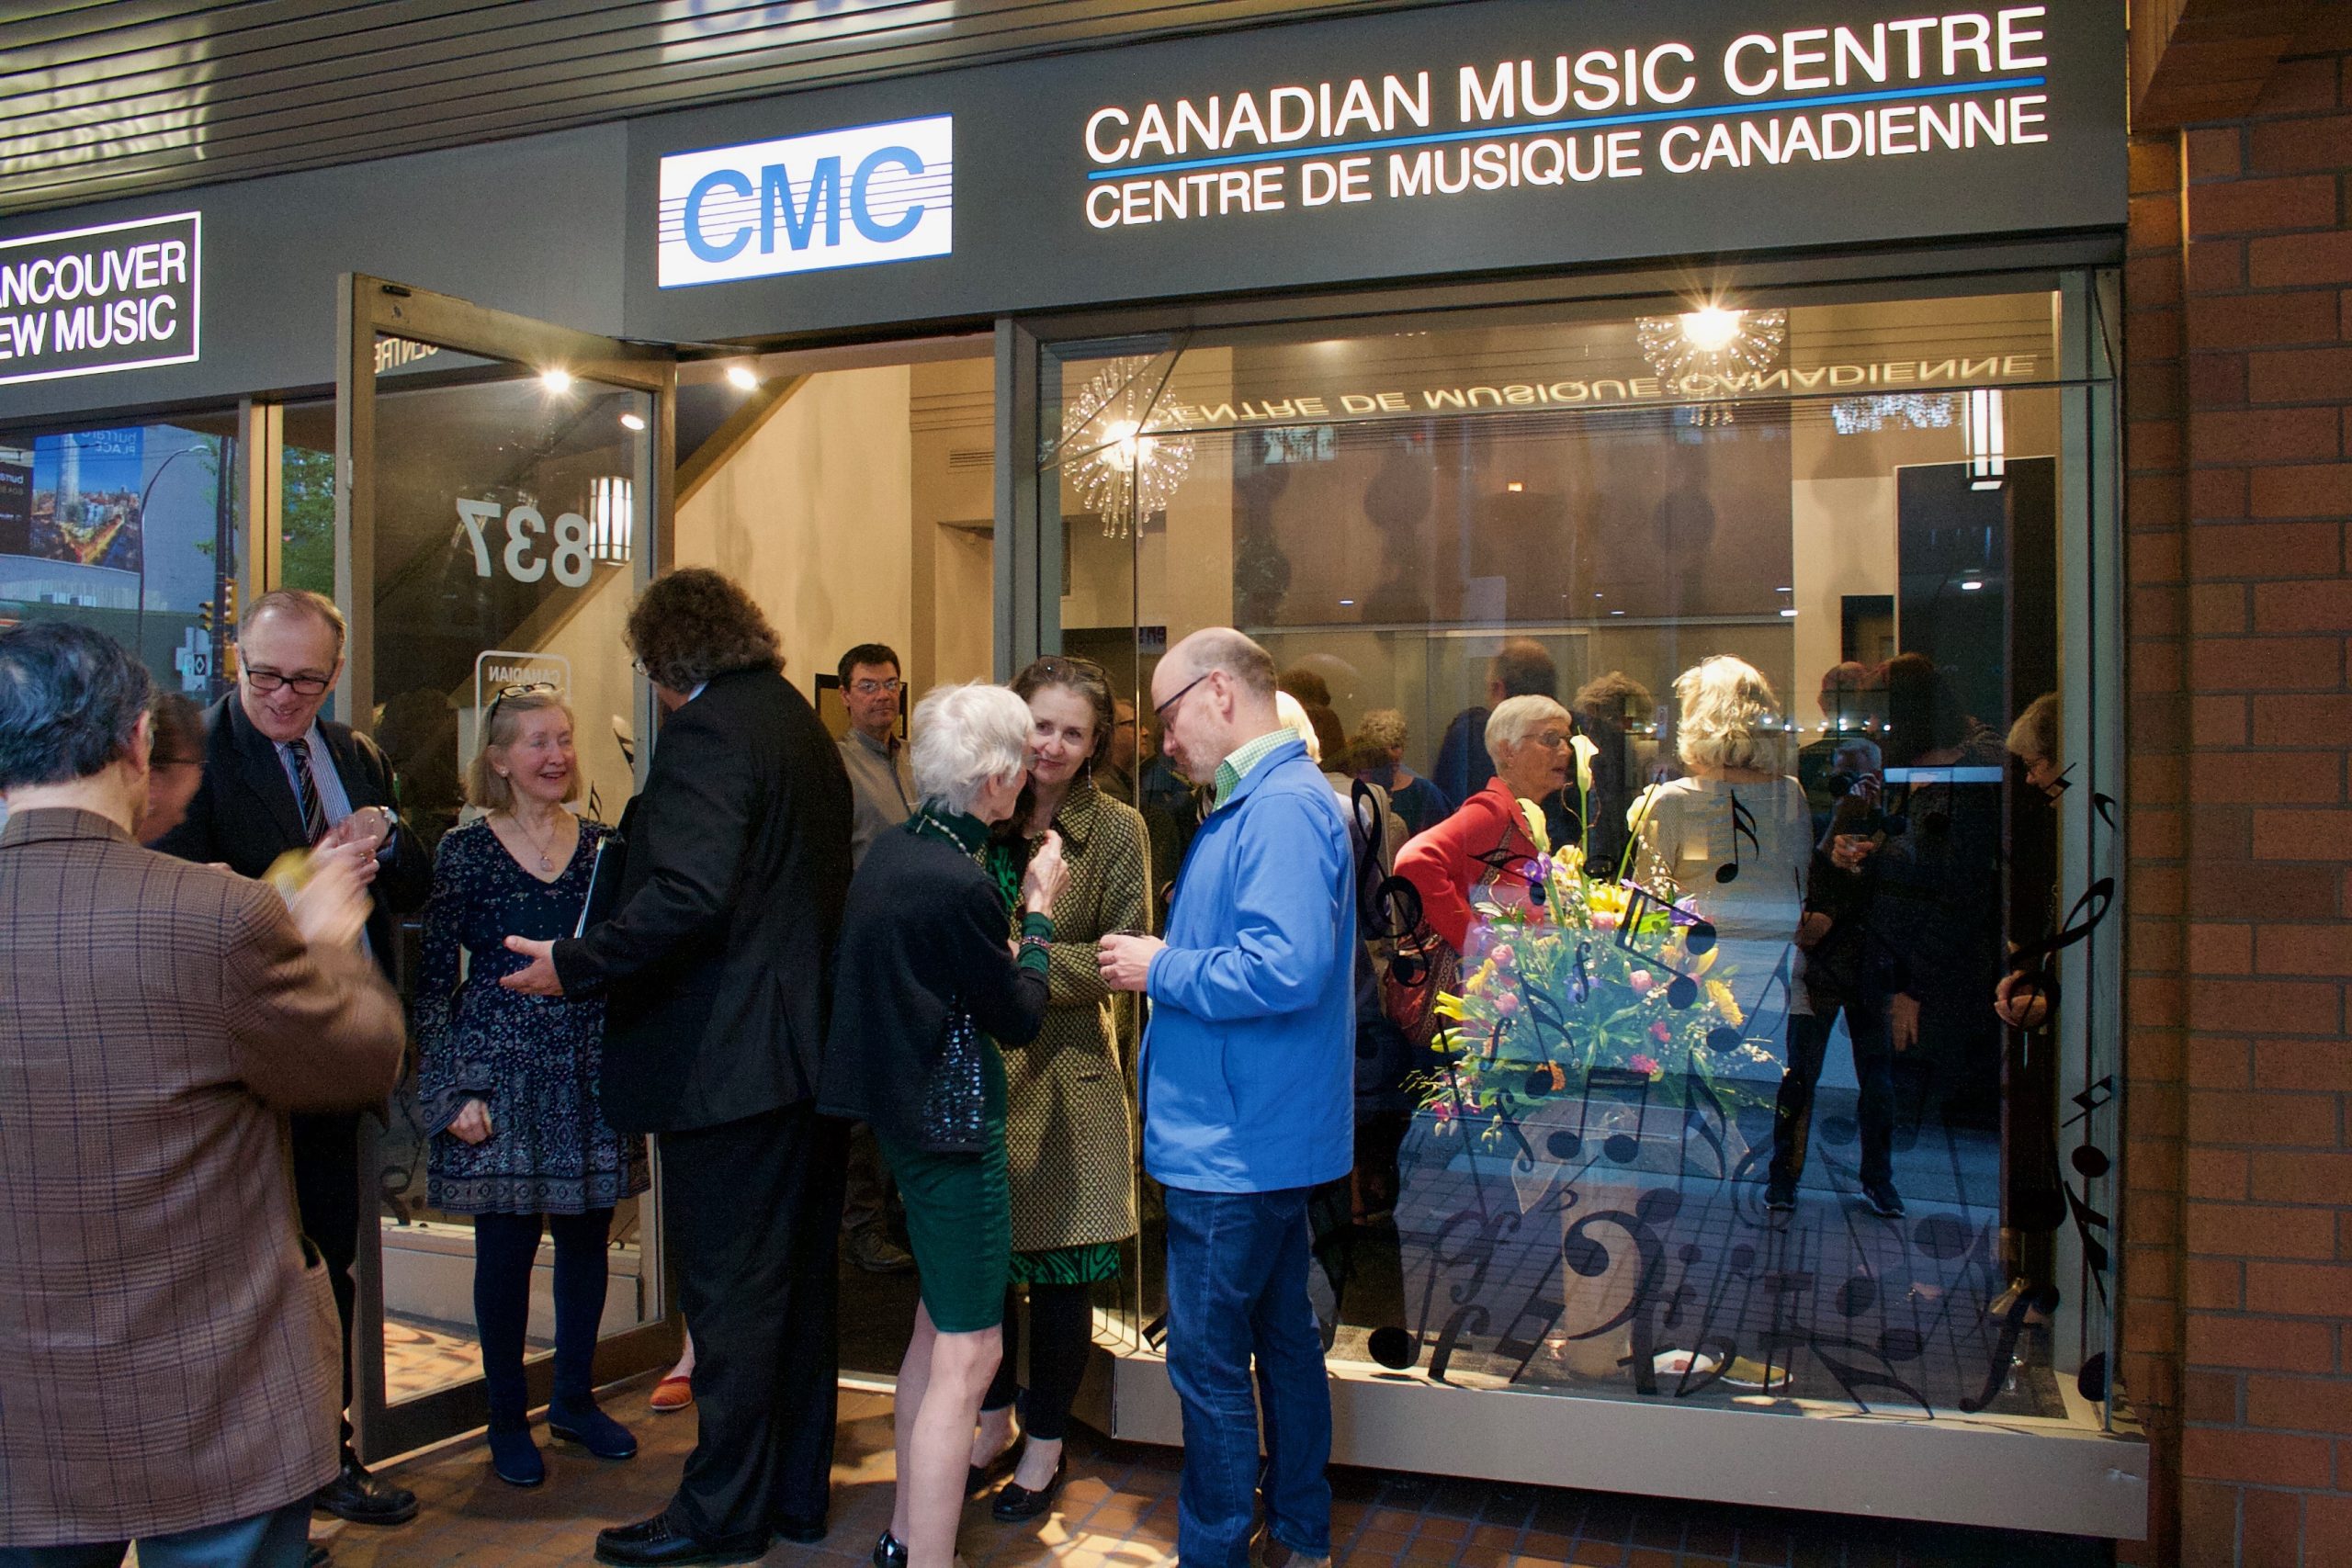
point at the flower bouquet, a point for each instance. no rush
(1597, 983)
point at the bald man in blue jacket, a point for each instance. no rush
(1246, 1079)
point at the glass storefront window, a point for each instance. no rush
(1789, 574)
(127, 526)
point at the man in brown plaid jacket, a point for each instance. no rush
(169, 1354)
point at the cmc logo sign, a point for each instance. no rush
(874, 193)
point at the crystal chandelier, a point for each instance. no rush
(1711, 342)
(1120, 471)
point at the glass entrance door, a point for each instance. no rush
(504, 489)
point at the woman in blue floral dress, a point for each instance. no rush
(508, 1082)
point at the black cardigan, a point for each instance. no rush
(924, 933)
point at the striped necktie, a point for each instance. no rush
(306, 791)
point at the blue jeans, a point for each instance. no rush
(279, 1538)
(1236, 1286)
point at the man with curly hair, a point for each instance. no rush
(716, 965)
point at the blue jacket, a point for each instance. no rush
(1248, 1066)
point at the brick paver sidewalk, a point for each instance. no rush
(1118, 1510)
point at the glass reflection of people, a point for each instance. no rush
(1118, 771)
(1845, 974)
(1608, 709)
(1365, 1268)
(1070, 1128)
(1521, 668)
(1733, 832)
(941, 923)
(2033, 741)
(508, 1083)
(1850, 703)
(1941, 889)
(1381, 737)
(1529, 744)
(176, 766)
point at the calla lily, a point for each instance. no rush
(1532, 813)
(1585, 751)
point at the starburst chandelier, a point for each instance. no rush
(1121, 472)
(1711, 342)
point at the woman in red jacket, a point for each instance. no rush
(1482, 852)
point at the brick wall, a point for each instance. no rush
(2238, 1318)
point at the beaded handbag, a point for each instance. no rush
(954, 1097)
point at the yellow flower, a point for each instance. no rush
(1726, 1003)
(1533, 813)
(1447, 1006)
(1704, 962)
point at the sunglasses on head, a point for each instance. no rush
(534, 689)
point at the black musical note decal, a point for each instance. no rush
(1682, 991)
(1622, 1148)
(2092, 1099)
(2005, 1348)
(1743, 825)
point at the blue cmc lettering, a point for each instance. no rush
(775, 190)
(703, 248)
(883, 233)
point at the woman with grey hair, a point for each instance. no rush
(1482, 850)
(944, 949)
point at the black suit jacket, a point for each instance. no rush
(244, 816)
(716, 962)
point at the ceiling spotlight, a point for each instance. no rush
(1784, 590)
(1616, 611)
(1347, 601)
(1970, 585)
(557, 380)
(1514, 487)
(1788, 615)
(632, 422)
(743, 379)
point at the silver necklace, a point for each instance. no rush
(546, 863)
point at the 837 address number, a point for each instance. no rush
(526, 533)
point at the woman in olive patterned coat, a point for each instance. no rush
(1070, 1126)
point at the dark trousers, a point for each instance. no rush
(1061, 1335)
(1236, 1292)
(1866, 1025)
(326, 1197)
(754, 1208)
(506, 1248)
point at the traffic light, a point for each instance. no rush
(204, 613)
(228, 604)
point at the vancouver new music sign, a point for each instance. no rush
(116, 297)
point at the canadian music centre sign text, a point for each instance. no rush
(1963, 83)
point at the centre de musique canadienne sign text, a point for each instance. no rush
(1957, 82)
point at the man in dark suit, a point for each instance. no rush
(168, 1343)
(717, 965)
(278, 777)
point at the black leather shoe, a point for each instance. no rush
(800, 1531)
(658, 1541)
(361, 1498)
(890, 1551)
(1015, 1504)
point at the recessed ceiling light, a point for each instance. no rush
(632, 422)
(743, 379)
(1616, 611)
(1347, 601)
(1514, 487)
(1970, 585)
(556, 380)
(1788, 615)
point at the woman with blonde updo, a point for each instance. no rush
(1733, 833)
(507, 1082)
